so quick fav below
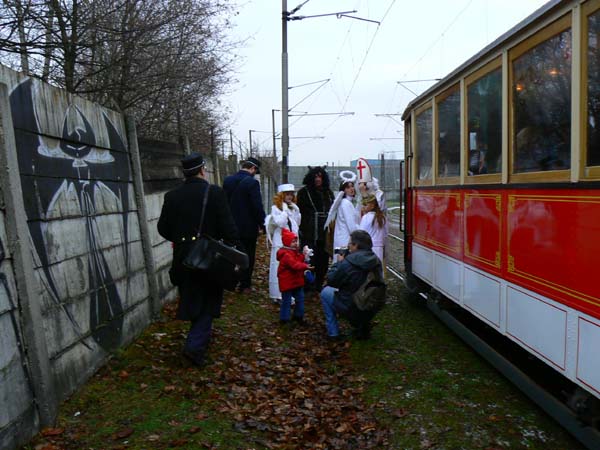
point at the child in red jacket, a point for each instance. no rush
(290, 274)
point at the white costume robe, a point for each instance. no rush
(378, 234)
(346, 222)
(275, 222)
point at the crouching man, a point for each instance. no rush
(355, 289)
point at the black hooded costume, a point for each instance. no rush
(314, 204)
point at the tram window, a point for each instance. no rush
(449, 135)
(424, 145)
(484, 105)
(593, 90)
(541, 91)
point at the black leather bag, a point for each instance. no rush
(221, 263)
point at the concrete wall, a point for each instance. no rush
(82, 241)
(161, 168)
(17, 411)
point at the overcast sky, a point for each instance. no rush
(416, 40)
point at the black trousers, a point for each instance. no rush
(320, 260)
(250, 249)
(196, 344)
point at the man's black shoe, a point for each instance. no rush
(300, 321)
(338, 338)
(194, 359)
(362, 333)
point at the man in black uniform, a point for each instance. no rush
(199, 298)
(245, 203)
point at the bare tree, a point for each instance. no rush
(165, 61)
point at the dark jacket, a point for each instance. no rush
(245, 202)
(290, 272)
(347, 276)
(178, 223)
(314, 206)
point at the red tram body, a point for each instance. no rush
(517, 245)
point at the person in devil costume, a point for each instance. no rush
(314, 201)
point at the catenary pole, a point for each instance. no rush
(285, 140)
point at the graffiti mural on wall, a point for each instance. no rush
(72, 177)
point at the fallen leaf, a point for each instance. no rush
(400, 413)
(46, 447)
(342, 428)
(123, 374)
(122, 434)
(52, 431)
(426, 443)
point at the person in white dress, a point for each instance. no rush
(284, 214)
(343, 212)
(374, 222)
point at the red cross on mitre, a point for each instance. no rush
(363, 169)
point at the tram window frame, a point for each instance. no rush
(441, 179)
(586, 172)
(486, 69)
(425, 181)
(408, 154)
(557, 27)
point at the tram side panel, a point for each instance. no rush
(523, 261)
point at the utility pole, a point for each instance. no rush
(214, 157)
(382, 172)
(285, 139)
(250, 141)
(285, 16)
(274, 177)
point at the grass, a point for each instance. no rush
(414, 385)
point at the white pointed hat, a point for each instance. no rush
(363, 170)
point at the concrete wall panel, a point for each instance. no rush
(90, 282)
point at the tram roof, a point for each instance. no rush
(487, 50)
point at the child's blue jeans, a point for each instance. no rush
(285, 310)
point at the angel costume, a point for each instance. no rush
(378, 234)
(287, 217)
(346, 219)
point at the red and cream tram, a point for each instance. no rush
(503, 188)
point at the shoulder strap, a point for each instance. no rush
(311, 200)
(204, 202)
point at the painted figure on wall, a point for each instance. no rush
(72, 178)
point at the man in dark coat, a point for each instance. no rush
(245, 202)
(314, 201)
(199, 298)
(344, 278)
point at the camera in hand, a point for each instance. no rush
(341, 251)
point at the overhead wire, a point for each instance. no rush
(441, 36)
(355, 79)
(330, 76)
(360, 67)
